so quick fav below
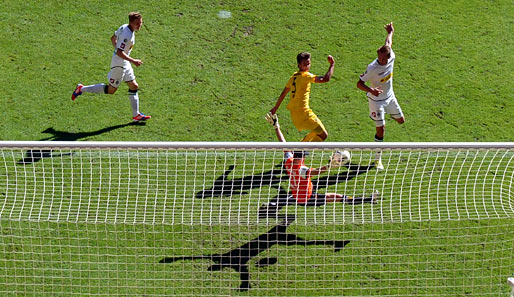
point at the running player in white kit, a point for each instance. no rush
(380, 94)
(121, 69)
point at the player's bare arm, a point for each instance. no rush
(328, 75)
(114, 40)
(390, 31)
(124, 56)
(362, 86)
(318, 171)
(279, 101)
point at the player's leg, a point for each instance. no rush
(373, 198)
(114, 78)
(99, 89)
(317, 135)
(377, 114)
(133, 95)
(394, 109)
(318, 132)
(96, 88)
(333, 197)
(317, 200)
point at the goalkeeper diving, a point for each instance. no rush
(300, 184)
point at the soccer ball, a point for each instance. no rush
(345, 157)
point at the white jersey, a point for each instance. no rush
(380, 76)
(125, 41)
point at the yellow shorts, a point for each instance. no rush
(307, 120)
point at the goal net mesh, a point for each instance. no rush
(78, 219)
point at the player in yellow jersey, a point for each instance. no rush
(300, 87)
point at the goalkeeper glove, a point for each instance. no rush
(272, 119)
(339, 158)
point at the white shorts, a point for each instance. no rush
(378, 109)
(119, 74)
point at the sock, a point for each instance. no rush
(356, 200)
(97, 89)
(134, 102)
(312, 137)
(378, 154)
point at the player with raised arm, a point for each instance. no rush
(300, 184)
(121, 69)
(300, 87)
(381, 98)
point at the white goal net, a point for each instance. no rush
(221, 219)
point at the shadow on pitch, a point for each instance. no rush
(223, 186)
(284, 198)
(32, 156)
(238, 259)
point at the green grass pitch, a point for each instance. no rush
(206, 78)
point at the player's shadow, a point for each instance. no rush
(225, 187)
(238, 258)
(32, 156)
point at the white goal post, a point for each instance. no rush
(219, 218)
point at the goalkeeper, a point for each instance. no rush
(300, 183)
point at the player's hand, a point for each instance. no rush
(331, 60)
(272, 118)
(137, 62)
(376, 91)
(389, 28)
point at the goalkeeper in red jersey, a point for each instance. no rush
(300, 184)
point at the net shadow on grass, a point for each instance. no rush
(33, 156)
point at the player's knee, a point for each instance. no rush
(133, 85)
(323, 135)
(321, 132)
(110, 89)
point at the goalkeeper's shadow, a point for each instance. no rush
(239, 258)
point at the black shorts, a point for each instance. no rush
(315, 200)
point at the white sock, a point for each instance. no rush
(134, 102)
(378, 155)
(97, 89)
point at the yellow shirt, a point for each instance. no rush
(300, 88)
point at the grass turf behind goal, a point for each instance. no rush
(140, 220)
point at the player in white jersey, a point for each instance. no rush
(121, 69)
(381, 98)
